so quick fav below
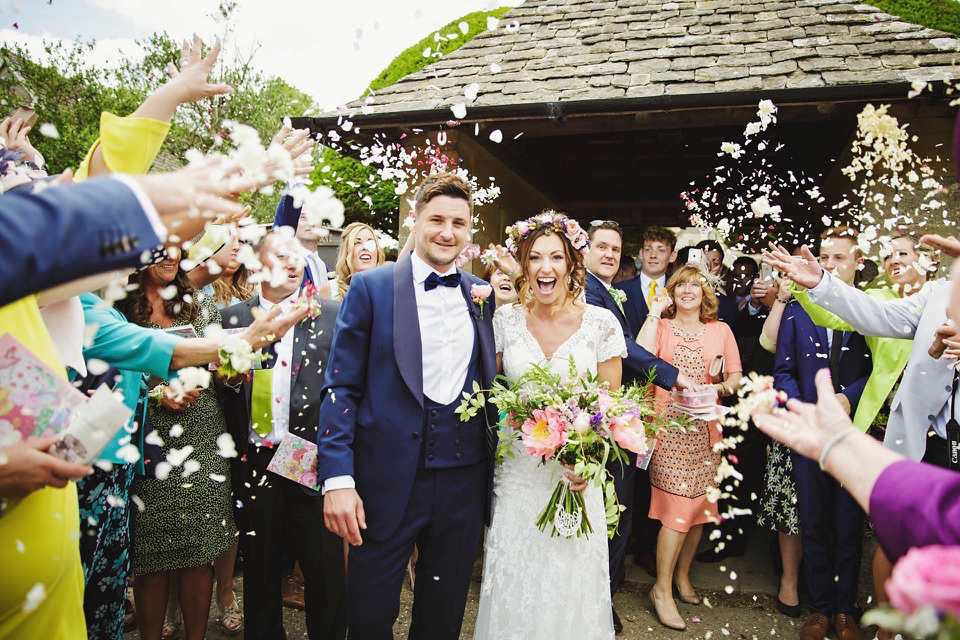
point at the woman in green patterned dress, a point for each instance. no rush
(186, 519)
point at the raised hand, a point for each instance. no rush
(189, 83)
(270, 327)
(763, 293)
(297, 143)
(804, 269)
(949, 246)
(14, 133)
(806, 428)
(661, 302)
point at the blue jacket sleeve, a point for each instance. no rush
(287, 215)
(68, 232)
(643, 362)
(125, 345)
(344, 383)
(786, 371)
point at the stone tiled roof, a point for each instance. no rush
(559, 50)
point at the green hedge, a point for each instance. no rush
(936, 14)
(412, 59)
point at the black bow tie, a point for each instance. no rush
(433, 281)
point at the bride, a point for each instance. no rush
(535, 585)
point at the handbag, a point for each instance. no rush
(716, 371)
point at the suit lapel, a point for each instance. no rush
(406, 329)
(610, 303)
(823, 339)
(483, 326)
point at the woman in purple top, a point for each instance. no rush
(912, 504)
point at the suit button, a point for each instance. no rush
(458, 456)
(949, 389)
(457, 441)
(433, 427)
(931, 417)
(416, 436)
(433, 412)
(432, 443)
(430, 457)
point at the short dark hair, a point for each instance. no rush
(657, 233)
(443, 184)
(710, 245)
(843, 232)
(612, 225)
(745, 260)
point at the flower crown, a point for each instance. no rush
(550, 222)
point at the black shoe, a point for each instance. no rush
(712, 555)
(617, 625)
(793, 611)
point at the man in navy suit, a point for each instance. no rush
(602, 262)
(398, 466)
(656, 257)
(831, 520)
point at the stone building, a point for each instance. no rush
(610, 108)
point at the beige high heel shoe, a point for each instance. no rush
(677, 623)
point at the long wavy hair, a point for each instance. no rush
(709, 306)
(236, 286)
(182, 307)
(575, 269)
(344, 268)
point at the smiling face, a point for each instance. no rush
(603, 256)
(503, 289)
(656, 257)
(164, 272)
(688, 295)
(840, 257)
(363, 252)
(442, 230)
(901, 265)
(547, 269)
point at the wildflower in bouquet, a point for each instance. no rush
(237, 357)
(571, 421)
(309, 299)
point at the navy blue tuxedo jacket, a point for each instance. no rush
(67, 232)
(802, 350)
(372, 417)
(639, 362)
(635, 308)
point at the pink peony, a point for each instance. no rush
(522, 228)
(603, 400)
(543, 434)
(629, 433)
(927, 576)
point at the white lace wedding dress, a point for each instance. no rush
(536, 586)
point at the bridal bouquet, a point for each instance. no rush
(576, 421)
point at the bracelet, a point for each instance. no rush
(831, 443)
(650, 315)
(782, 301)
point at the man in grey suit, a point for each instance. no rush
(274, 513)
(920, 411)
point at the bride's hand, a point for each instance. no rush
(576, 482)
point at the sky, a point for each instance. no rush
(330, 49)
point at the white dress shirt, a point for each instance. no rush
(446, 343)
(280, 397)
(446, 335)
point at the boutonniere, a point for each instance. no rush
(619, 297)
(479, 293)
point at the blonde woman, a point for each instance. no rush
(359, 250)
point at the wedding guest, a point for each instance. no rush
(504, 287)
(832, 522)
(359, 250)
(682, 328)
(233, 286)
(308, 237)
(602, 261)
(656, 257)
(184, 525)
(712, 257)
(902, 264)
(279, 513)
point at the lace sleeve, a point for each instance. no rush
(610, 341)
(500, 322)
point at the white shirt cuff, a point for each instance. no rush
(338, 482)
(148, 209)
(817, 292)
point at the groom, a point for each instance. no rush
(398, 466)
